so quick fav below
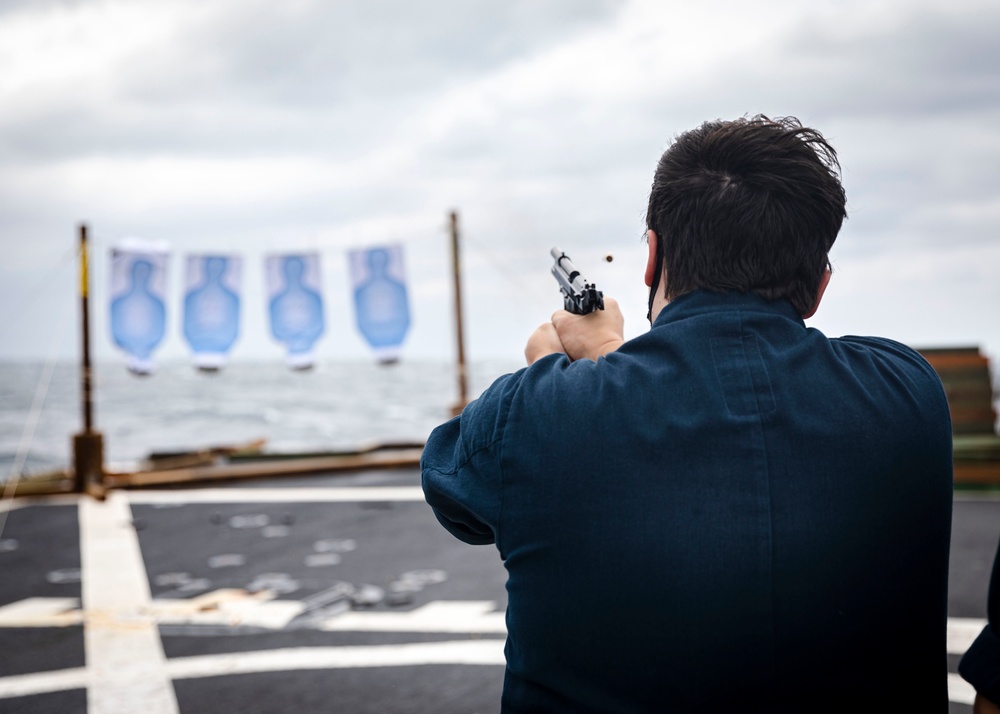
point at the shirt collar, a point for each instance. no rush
(699, 302)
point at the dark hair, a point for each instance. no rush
(751, 205)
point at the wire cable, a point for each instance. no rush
(34, 413)
(527, 289)
(17, 309)
(28, 433)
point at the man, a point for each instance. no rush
(731, 512)
(980, 665)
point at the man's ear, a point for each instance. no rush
(653, 242)
(823, 282)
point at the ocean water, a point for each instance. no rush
(335, 406)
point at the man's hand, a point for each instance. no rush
(590, 336)
(543, 341)
(983, 705)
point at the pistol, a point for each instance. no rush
(579, 296)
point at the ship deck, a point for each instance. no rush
(298, 594)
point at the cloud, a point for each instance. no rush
(925, 59)
(310, 53)
(232, 77)
(255, 125)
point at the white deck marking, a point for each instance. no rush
(440, 616)
(465, 652)
(962, 631)
(228, 608)
(42, 612)
(24, 685)
(238, 608)
(478, 652)
(123, 648)
(280, 495)
(125, 661)
(959, 690)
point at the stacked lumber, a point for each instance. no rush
(965, 375)
(221, 463)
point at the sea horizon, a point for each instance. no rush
(338, 405)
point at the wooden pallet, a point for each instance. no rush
(965, 375)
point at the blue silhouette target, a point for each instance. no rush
(296, 305)
(211, 308)
(380, 299)
(138, 307)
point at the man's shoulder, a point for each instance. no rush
(892, 363)
(883, 351)
(875, 343)
(554, 385)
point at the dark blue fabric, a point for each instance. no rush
(980, 665)
(729, 511)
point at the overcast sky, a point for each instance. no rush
(253, 127)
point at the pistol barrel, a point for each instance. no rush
(580, 297)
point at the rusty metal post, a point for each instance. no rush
(88, 446)
(463, 389)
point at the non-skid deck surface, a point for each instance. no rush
(319, 594)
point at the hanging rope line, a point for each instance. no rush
(28, 433)
(18, 309)
(529, 293)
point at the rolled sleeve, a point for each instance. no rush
(461, 495)
(461, 469)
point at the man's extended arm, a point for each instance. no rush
(980, 665)
(460, 465)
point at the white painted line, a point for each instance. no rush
(472, 652)
(24, 685)
(125, 661)
(277, 495)
(280, 495)
(962, 631)
(466, 652)
(959, 690)
(42, 612)
(322, 494)
(228, 608)
(440, 616)
(239, 608)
